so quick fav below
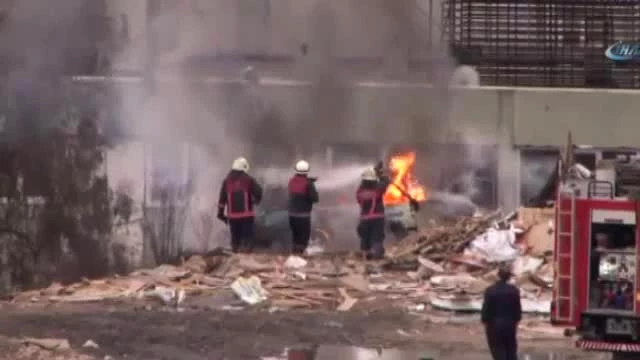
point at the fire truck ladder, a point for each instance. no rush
(565, 258)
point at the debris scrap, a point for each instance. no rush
(348, 302)
(90, 344)
(249, 290)
(445, 265)
(439, 242)
(48, 344)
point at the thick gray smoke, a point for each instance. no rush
(42, 42)
(45, 41)
(242, 119)
(345, 177)
(255, 120)
(535, 174)
(470, 177)
(39, 44)
(417, 26)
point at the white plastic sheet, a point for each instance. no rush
(496, 245)
(295, 262)
(250, 290)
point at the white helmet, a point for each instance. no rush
(302, 167)
(240, 164)
(369, 174)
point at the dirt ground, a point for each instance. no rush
(138, 331)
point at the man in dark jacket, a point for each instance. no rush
(371, 226)
(238, 194)
(501, 313)
(302, 196)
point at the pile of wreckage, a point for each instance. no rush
(461, 259)
(445, 266)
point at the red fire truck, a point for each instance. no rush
(596, 293)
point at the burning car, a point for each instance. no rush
(402, 196)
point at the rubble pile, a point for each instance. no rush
(441, 241)
(284, 281)
(446, 266)
(461, 261)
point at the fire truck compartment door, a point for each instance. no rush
(620, 217)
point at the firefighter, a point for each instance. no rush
(238, 194)
(302, 196)
(370, 198)
(501, 313)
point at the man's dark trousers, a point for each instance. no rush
(300, 232)
(371, 233)
(502, 341)
(242, 234)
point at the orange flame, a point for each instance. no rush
(402, 168)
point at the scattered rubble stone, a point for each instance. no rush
(434, 266)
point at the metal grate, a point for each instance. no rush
(544, 42)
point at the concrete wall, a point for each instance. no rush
(404, 113)
(488, 115)
(543, 116)
(595, 117)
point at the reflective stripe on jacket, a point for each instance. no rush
(239, 193)
(370, 198)
(302, 196)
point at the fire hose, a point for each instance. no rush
(415, 205)
(412, 202)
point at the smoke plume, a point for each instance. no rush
(257, 119)
(535, 174)
(39, 44)
(247, 119)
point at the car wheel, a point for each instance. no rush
(398, 230)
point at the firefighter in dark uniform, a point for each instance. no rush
(370, 198)
(302, 196)
(238, 194)
(501, 313)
